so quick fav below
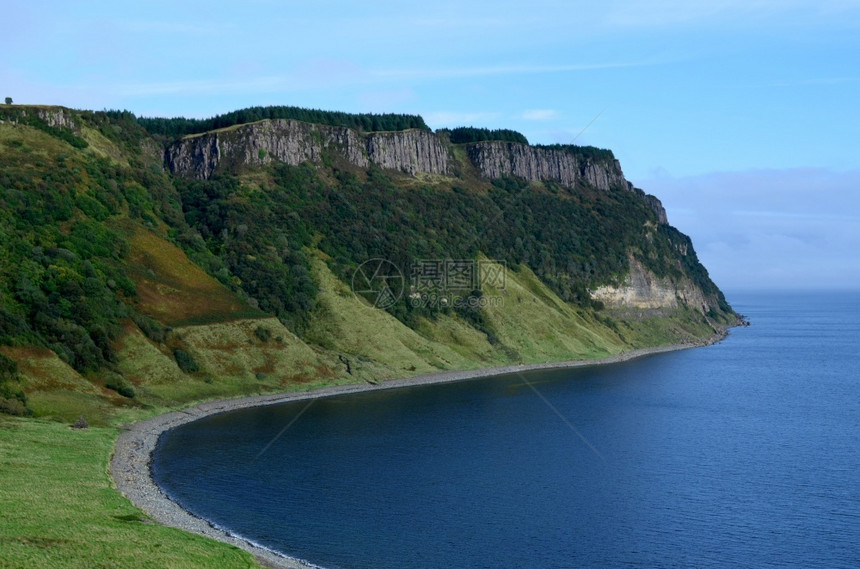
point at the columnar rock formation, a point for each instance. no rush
(411, 151)
(294, 142)
(536, 164)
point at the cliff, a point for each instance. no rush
(54, 117)
(294, 142)
(535, 164)
(411, 152)
(135, 276)
(643, 290)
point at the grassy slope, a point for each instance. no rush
(60, 510)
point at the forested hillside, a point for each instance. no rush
(106, 256)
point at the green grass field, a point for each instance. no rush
(60, 509)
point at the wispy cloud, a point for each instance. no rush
(788, 215)
(671, 13)
(540, 114)
(769, 228)
(170, 27)
(525, 69)
(326, 74)
(385, 100)
(440, 119)
(447, 23)
(816, 81)
(195, 87)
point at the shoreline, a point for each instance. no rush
(130, 463)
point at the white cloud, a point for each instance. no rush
(455, 72)
(385, 100)
(447, 119)
(169, 27)
(317, 73)
(205, 86)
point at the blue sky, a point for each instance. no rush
(742, 116)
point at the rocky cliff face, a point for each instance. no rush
(642, 289)
(294, 142)
(57, 117)
(536, 164)
(412, 152)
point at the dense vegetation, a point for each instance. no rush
(173, 128)
(13, 401)
(588, 152)
(64, 279)
(572, 240)
(466, 134)
(67, 216)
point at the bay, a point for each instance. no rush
(744, 453)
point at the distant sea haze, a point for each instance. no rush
(739, 454)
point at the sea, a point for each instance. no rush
(745, 453)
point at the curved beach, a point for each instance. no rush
(130, 463)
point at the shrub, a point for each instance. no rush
(149, 327)
(14, 407)
(185, 362)
(119, 384)
(126, 391)
(263, 334)
(8, 369)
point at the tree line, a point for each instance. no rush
(177, 127)
(588, 152)
(465, 134)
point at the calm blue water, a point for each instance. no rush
(740, 454)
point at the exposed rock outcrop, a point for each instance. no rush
(642, 289)
(653, 202)
(657, 206)
(294, 142)
(535, 164)
(412, 152)
(57, 117)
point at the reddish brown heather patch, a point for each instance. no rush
(304, 374)
(268, 364)
(41, 369)
(323, 371)
(173, 290)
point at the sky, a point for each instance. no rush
(740, 115)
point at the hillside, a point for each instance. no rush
(153, 268)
